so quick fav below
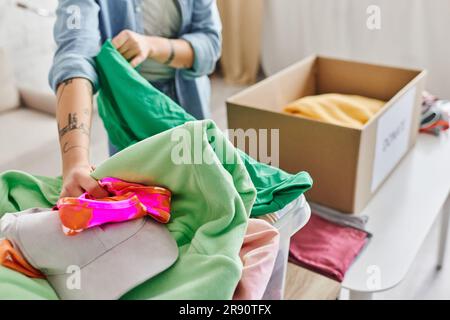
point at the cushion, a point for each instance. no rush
(9, 94)
(21, 141)
(41, 100)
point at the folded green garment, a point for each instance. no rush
(133, 110)
(210, 208)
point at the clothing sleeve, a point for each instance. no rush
(77, 37)
(204, 37)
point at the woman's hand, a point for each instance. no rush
(78, 180)
(136, 48)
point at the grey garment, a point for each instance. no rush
(347, 220)
(99, 263)
(28, 211)
(162, 19)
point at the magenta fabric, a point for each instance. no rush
(326, 248)
(127, 201)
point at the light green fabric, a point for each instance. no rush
(210, 209)
(132, 110)
(212, 199)
(211, 205)
(20, 191)
(16, 286)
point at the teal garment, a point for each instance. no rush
(133, 110)
(210, 208)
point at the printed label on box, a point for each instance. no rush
(392, 137)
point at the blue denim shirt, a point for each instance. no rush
(83, 25)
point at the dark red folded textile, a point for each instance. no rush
(326, 248)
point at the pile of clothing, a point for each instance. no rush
(330, 242)
(213, 205)
(340, 109)
(355, 111)
(435, 115)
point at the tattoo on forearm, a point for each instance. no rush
(66, 148)
(67, 82)
(72, 124)
(63, 85)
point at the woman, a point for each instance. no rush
(174, 43)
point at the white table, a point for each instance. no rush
(401, 215)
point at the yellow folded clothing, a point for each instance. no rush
(341, 109)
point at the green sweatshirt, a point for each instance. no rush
(212, 198)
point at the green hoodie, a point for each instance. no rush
(132, 110)
(212, 198)
(210, 207)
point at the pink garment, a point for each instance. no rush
(258, 254)
(326, 248)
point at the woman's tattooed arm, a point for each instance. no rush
(75, 100)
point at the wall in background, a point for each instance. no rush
(413, 33)
(28, 41)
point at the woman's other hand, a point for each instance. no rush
(78, 180)
(136, 48)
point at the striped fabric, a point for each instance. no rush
(163, 19)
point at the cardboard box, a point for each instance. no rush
(348, 165)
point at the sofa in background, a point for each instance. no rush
(28, 131)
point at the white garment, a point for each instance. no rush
(414, 33)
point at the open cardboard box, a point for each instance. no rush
(348, 165)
